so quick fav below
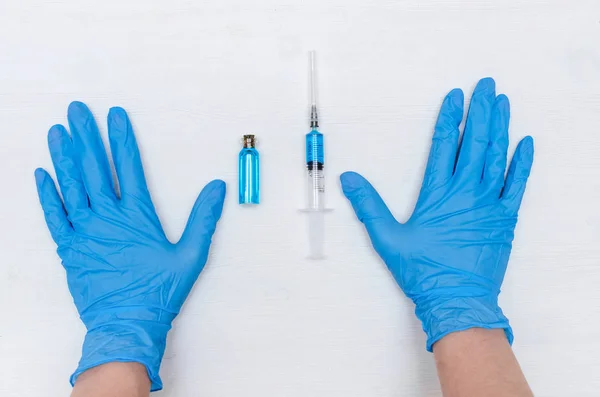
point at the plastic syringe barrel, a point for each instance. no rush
(315, 166)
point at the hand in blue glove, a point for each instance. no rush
(127, 280)
(451, 255)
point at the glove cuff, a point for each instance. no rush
(440, 318)
(125, 341)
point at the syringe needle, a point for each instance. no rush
(313, 96)
(314, 117)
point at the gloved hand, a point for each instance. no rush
(127, 280)
(451, 255)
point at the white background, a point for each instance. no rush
(262, 320)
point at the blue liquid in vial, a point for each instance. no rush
(249, 176)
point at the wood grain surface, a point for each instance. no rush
(262, 320)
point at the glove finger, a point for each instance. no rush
(203, 220)
(67, 171)
(126, 156)
(495, 162)
(518, 173)
(444, 146)
(92, 159)
(54, 211)
(471, 158)
(367, 203)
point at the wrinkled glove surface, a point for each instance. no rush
(450, 257)
(127, 280)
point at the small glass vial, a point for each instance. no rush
(249, 172)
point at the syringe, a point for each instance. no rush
(315, 161)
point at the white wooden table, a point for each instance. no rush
(262, 320)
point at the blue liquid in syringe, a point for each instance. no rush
(314, 165)
(314, 150)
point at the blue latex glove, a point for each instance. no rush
(451, 255)
(127, 280)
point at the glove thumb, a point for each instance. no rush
(203, 219)
(367, 203)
